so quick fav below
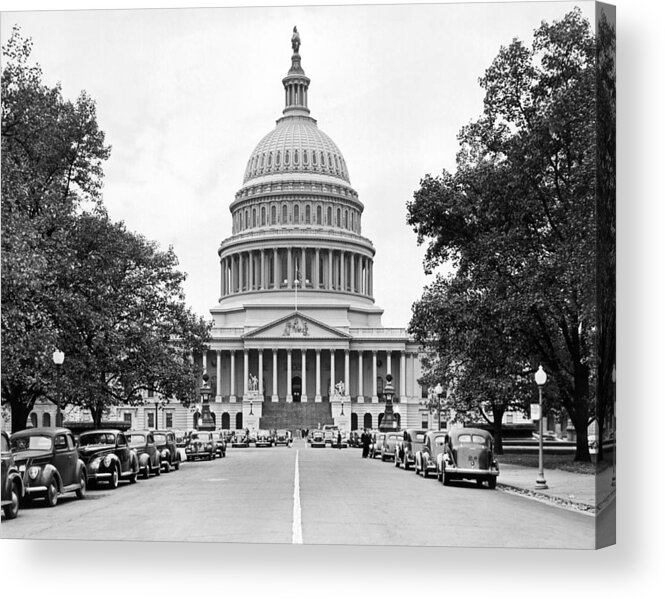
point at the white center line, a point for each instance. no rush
(297, 521)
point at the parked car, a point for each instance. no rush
(168, 450)
(12, 481)
(411, 441)
(264, 438)
(108, 457)
(354, 438)
(469, 454)
(430, 457)
(240, 439)
(201, 445)
(49, 463)
(330, 433)
(143, 443)
(283, 437)
(318, 438)
(376, 445)
(220, 443)
(389, 446)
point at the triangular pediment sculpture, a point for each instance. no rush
(296, 325)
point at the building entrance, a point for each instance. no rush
(296, 388)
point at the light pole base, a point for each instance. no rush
(541, 483)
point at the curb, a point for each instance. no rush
(576, 506)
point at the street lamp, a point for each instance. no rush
(251, 408)
(58, 359)
(541, 379)
(342, 403)
(439, 391)
(296, 282)
(614, 427)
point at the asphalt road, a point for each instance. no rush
(300, 494)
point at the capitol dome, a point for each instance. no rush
(296, 145)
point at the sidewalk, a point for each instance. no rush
(581, 492)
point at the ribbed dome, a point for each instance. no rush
(296, 145)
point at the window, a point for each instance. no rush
(273, 215)
(314, 158)
(425, 421)
(308, 214)
(367, 420)
(270, 159)
(168, 417)
(284, 214)
(151, 420)
(278, 158)
(287, 157)
(296, 157)
(33, 419)
(151, 393)
(120, 441)
(305, 159)
(127, 417)
(263, 216)
(318, 215)
(329, 216)
(247, 219)
(253, 217)
(46, 419)
(296, 214)
(60, 443)
(338, 222)
(346, 219)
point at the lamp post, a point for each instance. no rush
(58, 359)
(342, 404)
(296, 283)
(206, 423)
(614, 425)
(541, 379)
(439, 391)
(251, 408)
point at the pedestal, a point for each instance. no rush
(303, 398)
(361, 399)
(275, 398)
(375, 399)
(318, 399)
(289, 399)
(232, 398)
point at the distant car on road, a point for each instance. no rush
(376, 445)
(143, 443)
(389, 446)
(469, 454)
(318, 439)
(220, 443)
(330, 433)
(240, 439)
(49, 463)
(264, 438)
(108, 457)
(283, 437)
(168, 450)
(201, 446)
(411, 441)
(12, 481)
(430, 457)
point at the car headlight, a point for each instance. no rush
(33, 472)
(107, 460)
(165, 453)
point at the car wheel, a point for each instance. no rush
(396, 461)
(406, 463)
(167, 467)
(177, 466)
(83, 488)
(134, 475)
(146, 472)
(11, 509)
(446, 478)
(491, 483)
(438, 475)
(113, 481)
(479, 482)
(423, 472)
(52, 494)
(158, 470)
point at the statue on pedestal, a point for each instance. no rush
(295, 40)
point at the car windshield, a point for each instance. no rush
(159, 438)
(472, 439)
(33, 442)
(440, 440)
(201, 437)
(135, 439)
(419, 437)
(97, 439)
(392, 437)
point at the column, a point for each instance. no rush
(361, 386)
(234, 270)
(250, 274)
(223, 277)
(289, 269)
(353, 273)
(316, 270)
(263, 269)
(402, 375)
(289, 392)
(246, 371)
(274, 270)
(219, 375)
(347, 389)
(371, 278)
(317, 396)
(375, 397)
(275, 395)
(204, 360)
(329, 269)
(332, 372)
(233, 375)
(241, 273)
(389, 362)
(303, 376)
(261, 373)
(342, 270)
(303, 267)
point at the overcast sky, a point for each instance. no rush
(184, 95)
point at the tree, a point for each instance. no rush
(517, 220)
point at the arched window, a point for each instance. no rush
(318, 215)
(59, 419)
(270, 159)
(367, 420)
(296, 157)
(241, 221)
(273, 215)
(247, 219)
(253, 217)
(305, 159)
(287, 157)
(314, 158)
(263, 216)
(285, 214)
(323, 160)
(398, 418)
(263, 159)
(226, 421)
(239, 420)
(336, 163)
(329, 216)
(33, 419)
(354, 421)
(338, 222)
(296, 214)
(346, 219)
(308, 214)
(46, 419)
(278, 158)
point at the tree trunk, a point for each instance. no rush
(581, 423)
(20, 412)
(497, 417)
(97, 412)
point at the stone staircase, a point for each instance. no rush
(292, 416)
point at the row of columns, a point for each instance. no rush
(258, 270)
(303, 352)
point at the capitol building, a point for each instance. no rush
(297, 339)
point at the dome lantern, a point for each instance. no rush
(296, 83)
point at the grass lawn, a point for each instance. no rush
(557, 462)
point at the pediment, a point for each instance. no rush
(298, 326)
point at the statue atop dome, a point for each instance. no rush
(295, 40)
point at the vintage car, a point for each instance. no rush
(330, 433)
(12, 481)
(411, 441)
(318, 438)
(283, 437)
(354, 438)
(240, 439)
(389, 446)
(430, 457)
(49, 463)
(264, 438)
(469, 454)
(220, 443)
(376, 445)
(201, 446)
(168, 450)
(143, 443)
(108, 457)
